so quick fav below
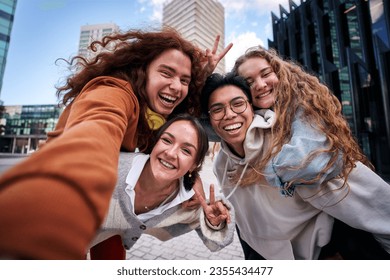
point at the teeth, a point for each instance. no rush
(232, 126)
(167, 164)
(263, 94)
(168, 98)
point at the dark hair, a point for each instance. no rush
(126, 56)
(215, 81)
(203, 145)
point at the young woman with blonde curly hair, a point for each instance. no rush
(292, 168)
(52, 203)
(294, 94)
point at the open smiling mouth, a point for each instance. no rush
(167, 164)
(167, 99)
(264, 94)
(232, 127)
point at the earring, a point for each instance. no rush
(189, 180)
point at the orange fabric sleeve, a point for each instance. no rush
(74, 173)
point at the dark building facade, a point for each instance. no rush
(24, 126)
(347, 43)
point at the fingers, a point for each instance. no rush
(200, 198)
(224, 211)
(212, 194)
(225, 51)
(199, 186)
(215, 48)
(216, 43)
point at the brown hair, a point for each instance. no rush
(298, 89)
(126, 56)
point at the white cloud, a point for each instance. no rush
(235, 7)
(239, 8)
(249, 23)
(156, 6)
(241, 43)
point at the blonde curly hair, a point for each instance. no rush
(298, 89)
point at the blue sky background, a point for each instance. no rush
(45, 30)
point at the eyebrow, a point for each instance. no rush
(173, 70)
(185, 143)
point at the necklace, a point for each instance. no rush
(168, 198)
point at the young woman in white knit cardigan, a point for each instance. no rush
(151, 190)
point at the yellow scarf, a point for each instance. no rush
(155, 120)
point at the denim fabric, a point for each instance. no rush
(292, 163)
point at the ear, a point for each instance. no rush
(193, 167)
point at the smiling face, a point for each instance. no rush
(261, 78)
(175, 152)
(232, 127)
(168, 78)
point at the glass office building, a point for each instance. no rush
(23, 127)
(7, 11)
(346, 43)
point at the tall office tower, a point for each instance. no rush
(7, 12)
(199, 21)
(90, 33)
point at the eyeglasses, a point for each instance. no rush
(238, 105)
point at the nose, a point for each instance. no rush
(229, 113)
(171, 152)
(260, 83)
(175, 84)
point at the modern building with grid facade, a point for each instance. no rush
(347, 43)
(90, 33)
(199, 21)
(24, 126)
(7, 12)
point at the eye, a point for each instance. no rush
(185, 82)
(166, 140)
(249, 82)
(216, 110)
(238, 103)
(166, 73)
(267, 72)
(186, 151)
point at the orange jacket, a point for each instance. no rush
(52, 203)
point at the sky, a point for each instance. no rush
(45, 30)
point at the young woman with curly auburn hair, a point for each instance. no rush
(52, 203)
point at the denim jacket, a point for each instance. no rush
(291, 162)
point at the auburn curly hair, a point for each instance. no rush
(126, 56)
(298, 89)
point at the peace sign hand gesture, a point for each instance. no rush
(216, 212)
(212, 58)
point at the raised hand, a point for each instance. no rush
(216, 212)
(212, 58)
